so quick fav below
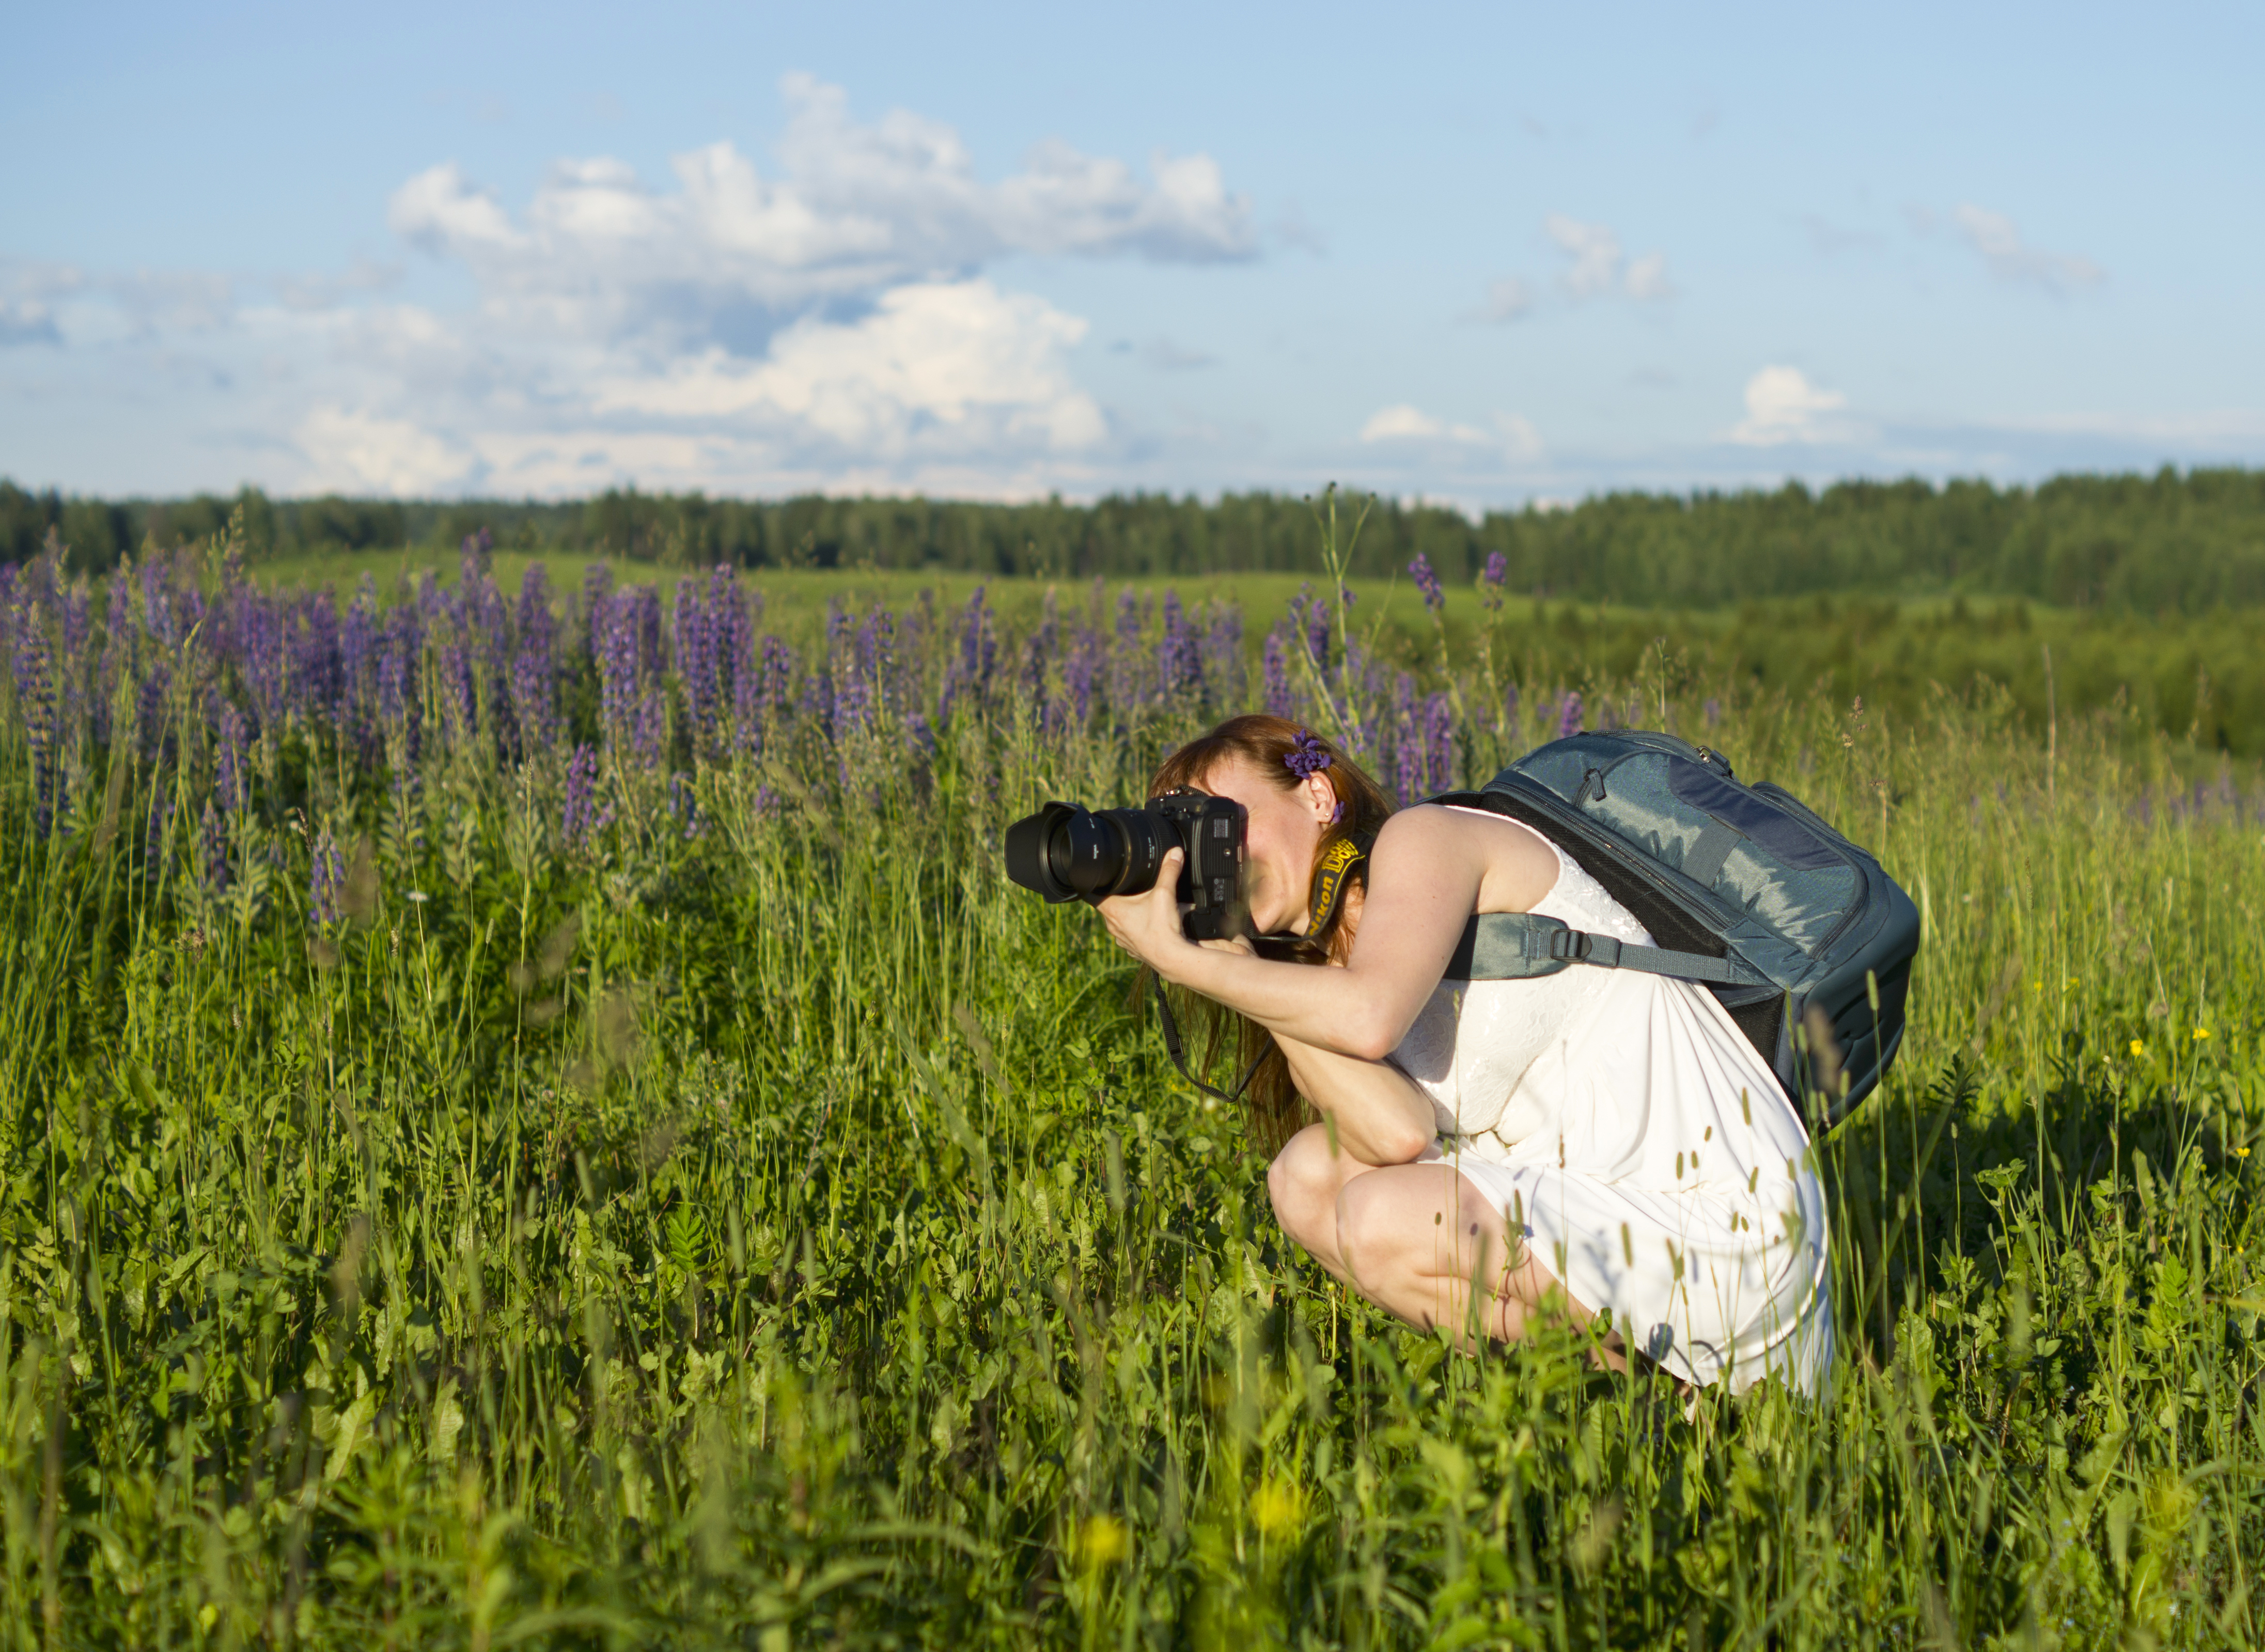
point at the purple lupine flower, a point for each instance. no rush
(1492, 577)
(1408, 739)
(228, 781)
(1438, 743)
(1317, 632)
(1278, 700)
(920, 738)
(645, 607)
(650, 730)
(314, 679)
(74, 622)
(1569, 715)
(684, 804)
(1079, 671)
(460, 694)
(157, 603)
(326, 880)
(581, 816)
(1040, 648)
(212, 849)
(1714, 713)
(1510, 707)
(777, 693)
(149, 706)
(398, 714)
(876, 640)
(35, 704)
(615, 635)
(263, 661)
(1223, 666)
(979, 642)
(597, 595)
(358, 636)
(538, 628)
(153, 836)
(1427, 582)
(117, 649)
(1179, 656)
(531, 702)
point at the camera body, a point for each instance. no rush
(1065, 852)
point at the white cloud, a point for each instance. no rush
(1401, 423)
(1507, 299)
(1593, 251)
(27, 321)
(937, 366)
(820, 321)
(1646, 278)
(1595, 266)
(1783, 406)
(355, 452)
(1512, 437)
(1994, 237)
(857, 208)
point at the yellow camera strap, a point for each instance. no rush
(1336, 863)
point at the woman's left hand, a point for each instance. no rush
(1147, 925)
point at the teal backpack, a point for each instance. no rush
(1805, 939)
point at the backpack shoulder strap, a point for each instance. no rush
(1508, 946)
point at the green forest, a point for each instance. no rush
(2174, 542)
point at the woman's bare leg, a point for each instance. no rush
(1413, 1239)
(1304, 1183)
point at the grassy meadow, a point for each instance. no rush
(533, 1118)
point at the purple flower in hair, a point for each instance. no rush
(1306, 755)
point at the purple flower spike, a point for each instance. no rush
(1279, 701)
(582, 817)
(1179, 656)
(1569, 715)
(1427, 582)
(1492, 578)
(1438, 743)
(326, 879)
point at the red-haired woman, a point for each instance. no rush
(1601, 1138)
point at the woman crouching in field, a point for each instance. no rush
(1601, 1138)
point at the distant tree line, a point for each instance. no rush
(2173, 542)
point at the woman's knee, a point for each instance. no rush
(1303, 1184)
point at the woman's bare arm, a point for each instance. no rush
(1428, 871)
(1380, 1116)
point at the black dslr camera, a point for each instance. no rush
(1066, 853)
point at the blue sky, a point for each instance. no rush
(1477, 254)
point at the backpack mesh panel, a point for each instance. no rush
(1670, 927)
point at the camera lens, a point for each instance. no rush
(1066, 853)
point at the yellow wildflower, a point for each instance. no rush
(1102, 1541)
(1277, 1507)
(2201, 1033)
(2139, 1046)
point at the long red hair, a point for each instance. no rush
(1266, 743)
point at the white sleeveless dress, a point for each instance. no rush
(1629, 1133)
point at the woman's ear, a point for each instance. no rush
(1321, 798)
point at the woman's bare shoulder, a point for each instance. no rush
(1515, 864)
